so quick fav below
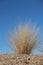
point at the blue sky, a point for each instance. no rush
(14, 11)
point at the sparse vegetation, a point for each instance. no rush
(24, 38)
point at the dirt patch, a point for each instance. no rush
(22, 59)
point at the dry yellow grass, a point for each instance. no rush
(24, 38)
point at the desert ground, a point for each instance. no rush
(21, 59)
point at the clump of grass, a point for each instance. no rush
(23, 39)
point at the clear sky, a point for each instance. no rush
(11, 11)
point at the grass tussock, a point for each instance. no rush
(23, 39)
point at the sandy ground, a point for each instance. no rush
(12, 59)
